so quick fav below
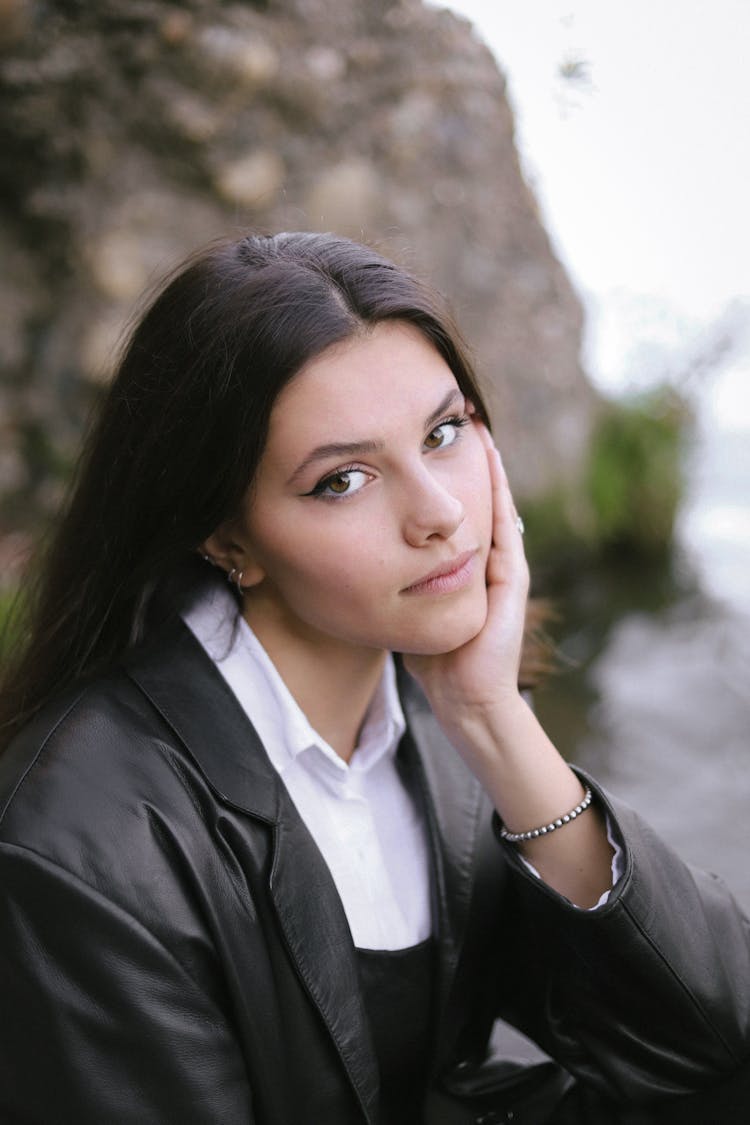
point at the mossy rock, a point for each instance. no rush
(630, 492)
(635, 479)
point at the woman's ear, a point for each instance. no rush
(229, 551)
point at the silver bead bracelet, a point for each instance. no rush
(545, 829)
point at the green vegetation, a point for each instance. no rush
(635, 477)
(8, 620)
(631, 489)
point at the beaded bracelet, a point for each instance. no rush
(517, 837)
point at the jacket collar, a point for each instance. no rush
(188, 691)
(191, 695)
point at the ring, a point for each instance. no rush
(520, 525)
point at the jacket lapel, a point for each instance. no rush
(319, 940)
(454, 800)
(189, 692)
(191, 695)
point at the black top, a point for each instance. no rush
(397, 992)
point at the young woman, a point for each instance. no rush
(256, 870)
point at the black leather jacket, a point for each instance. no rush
(172, 947)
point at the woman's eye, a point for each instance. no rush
(445, 434)
(343, 483)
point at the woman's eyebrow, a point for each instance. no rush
(354, 448)
(454, 394)
(335, 449)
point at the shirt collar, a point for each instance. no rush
(278, 719)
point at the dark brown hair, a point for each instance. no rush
(179, 434)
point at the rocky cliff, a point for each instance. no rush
(133, 130)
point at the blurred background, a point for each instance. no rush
(574, 178)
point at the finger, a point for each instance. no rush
(501, 494)
(484, 434)
(510, 560)
(494, 464)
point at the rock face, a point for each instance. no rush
(134, 130)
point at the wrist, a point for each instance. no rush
(492, 725)
(518, 766)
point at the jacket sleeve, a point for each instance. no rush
(649, 995)
(100, 1022)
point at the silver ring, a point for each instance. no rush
(520, 525)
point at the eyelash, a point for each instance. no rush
(456, 420)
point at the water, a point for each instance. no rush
(657, 702)
(715, 523)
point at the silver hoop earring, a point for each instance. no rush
(235, 577)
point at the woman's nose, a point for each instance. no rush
(430, 510)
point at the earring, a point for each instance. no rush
(235, 577)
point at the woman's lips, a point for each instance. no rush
(444, 579)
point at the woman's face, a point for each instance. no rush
(370, 519)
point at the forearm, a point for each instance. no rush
(530, 784)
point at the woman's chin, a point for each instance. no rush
(448, 636)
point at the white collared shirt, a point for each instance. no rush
(360, 814)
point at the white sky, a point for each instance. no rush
(642, 170)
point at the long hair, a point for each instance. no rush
(178, 436)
